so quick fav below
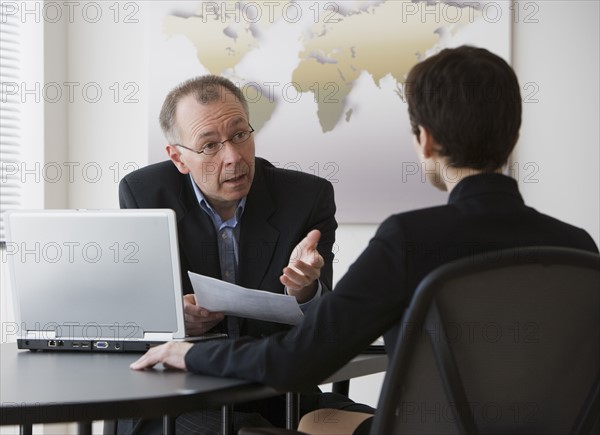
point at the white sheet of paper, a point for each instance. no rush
(231, 299)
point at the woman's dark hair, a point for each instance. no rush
(469, 100)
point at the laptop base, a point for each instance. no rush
(102, 345)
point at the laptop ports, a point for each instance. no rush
(101, 344)
(55, 343)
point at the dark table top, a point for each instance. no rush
(48, 387)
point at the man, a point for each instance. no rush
(239, 218)
(464, 106)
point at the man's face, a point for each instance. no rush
(225, 177)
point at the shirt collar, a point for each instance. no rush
(484, 184)
(215, 217)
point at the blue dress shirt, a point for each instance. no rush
(228, 238)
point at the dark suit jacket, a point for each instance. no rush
(281, 208)
(484, 212)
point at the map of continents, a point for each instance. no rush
(339, 41)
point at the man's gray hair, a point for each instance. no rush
(206, 89)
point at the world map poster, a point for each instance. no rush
(324, 81)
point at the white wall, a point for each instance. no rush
(560, 133)
(558, 55)
(107, 137)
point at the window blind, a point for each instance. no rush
(10, 112)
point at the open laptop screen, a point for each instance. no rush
(95, 275)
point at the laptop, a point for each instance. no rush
(95, 280)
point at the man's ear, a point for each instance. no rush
(429, 146)
(175, 156)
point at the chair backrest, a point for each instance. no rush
(505, 342)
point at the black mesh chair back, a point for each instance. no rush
(507, 342)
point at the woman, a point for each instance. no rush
(464, 106)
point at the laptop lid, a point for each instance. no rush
(95, 279)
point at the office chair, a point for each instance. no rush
(505, 342)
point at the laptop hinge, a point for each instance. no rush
(158, 336)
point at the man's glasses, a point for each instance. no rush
(212, 148)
